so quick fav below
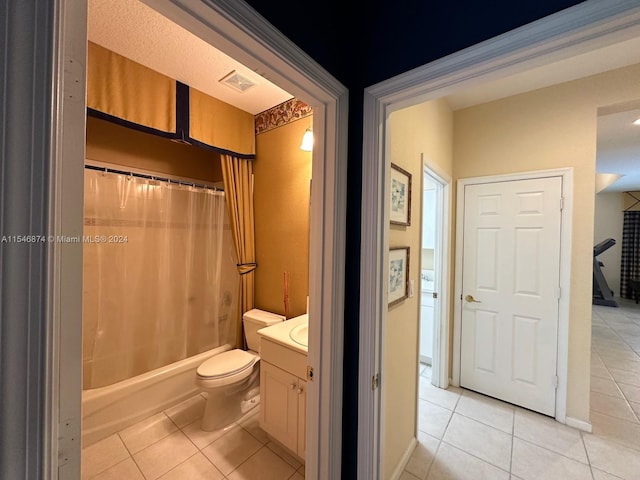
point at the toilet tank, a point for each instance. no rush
(256, 319)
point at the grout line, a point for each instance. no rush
(251, 456)
(125, 445)
(475, 456)
(171, 419)
(433, 460)
(486, 424)
(184, 461)
(624, 397)
(513, 436)
(553, 451)
(138, 467)
(584, 445)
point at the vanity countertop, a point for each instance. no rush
(281, 332)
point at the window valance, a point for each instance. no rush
(126, 92)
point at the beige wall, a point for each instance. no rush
(608, 224)
(550, 128)
(422, 129)
(282, 174)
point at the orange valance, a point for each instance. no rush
(127, 92)
(215, 122)
(125, 89)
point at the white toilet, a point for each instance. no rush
(231, 379)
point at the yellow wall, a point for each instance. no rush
(399, 385)
(551, 128)
(282, 174)
(118, 145)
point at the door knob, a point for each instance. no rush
(470, 299)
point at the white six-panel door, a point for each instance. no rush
(510, 291)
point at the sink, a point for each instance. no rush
(300, 334)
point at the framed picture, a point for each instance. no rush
(400, 213)
(398, 274)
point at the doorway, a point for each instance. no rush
(580, 31)
(428, 277)
(244, 35)
(433, 343)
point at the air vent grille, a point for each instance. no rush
(237, 81)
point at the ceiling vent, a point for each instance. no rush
(236, 81)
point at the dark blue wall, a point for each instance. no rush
(364, 46)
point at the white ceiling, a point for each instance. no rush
(618, 144)
(136, 31)
(619, 149)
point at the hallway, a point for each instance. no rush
(464, 435)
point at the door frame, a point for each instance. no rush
(565, 34)
(566, 224)
(238, 30)
(440, 374)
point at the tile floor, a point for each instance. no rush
(171, 446)
(463, 435)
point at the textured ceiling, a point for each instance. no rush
(135, 31)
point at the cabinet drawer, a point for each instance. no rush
(283, 357)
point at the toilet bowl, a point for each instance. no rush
(231, 379)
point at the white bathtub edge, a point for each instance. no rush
(107, 410)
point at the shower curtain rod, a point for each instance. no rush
(153, 177)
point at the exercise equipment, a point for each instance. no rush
(602, 294)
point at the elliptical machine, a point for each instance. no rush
(602, 294)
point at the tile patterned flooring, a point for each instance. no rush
(171, 446)
(462, 435)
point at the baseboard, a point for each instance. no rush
(404, 459)
(579, 424)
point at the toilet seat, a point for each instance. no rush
(227, 368)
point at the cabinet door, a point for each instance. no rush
(279, 404)
(302, 416)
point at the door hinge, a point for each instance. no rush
(435, 294)
(310, 373)
(555, 381)
(375, 381)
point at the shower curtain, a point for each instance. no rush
(160, 280)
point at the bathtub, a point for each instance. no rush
(107, 410)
